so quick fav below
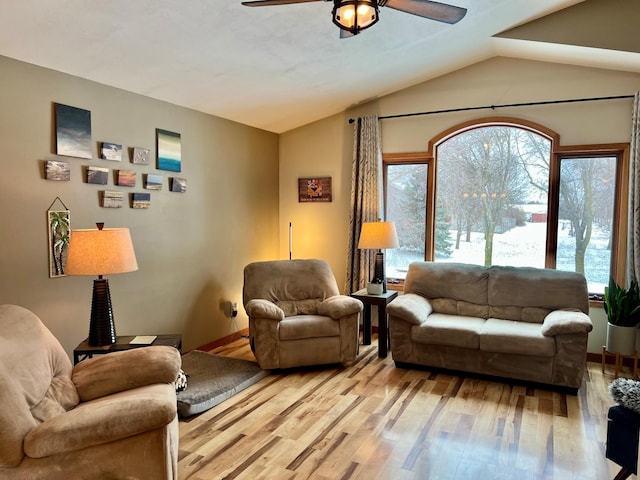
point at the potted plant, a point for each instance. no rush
(622, 307)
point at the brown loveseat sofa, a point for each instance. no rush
(514, 322)
(113, 416)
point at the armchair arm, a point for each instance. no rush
(107, 419)
(561, 322)
(261, 308)
(339, 306)
(121, 371)
(411, 308)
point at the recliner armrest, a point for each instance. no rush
(126, 370)
(411, 308)
(339, 306)
(561, 322)
(261, 308)
(104, 420)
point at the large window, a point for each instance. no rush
(504, 194)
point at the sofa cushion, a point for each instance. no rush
(308, 326)
(535, 288)
(457, 281)
(508, 336)
(452, 330)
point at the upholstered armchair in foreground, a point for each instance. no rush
(113, 416)
(297, 316)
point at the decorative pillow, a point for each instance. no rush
(181, 381)
(626, 393)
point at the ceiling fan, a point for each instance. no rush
(353, 16)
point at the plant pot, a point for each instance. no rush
(621, 340)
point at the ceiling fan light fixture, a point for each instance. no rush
(355, 15)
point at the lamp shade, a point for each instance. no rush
(100, 252)
(378, 235)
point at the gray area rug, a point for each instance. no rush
(212, 379)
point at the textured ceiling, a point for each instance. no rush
(279, 67)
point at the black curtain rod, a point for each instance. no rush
(493, 107)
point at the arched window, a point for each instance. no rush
(502, 191)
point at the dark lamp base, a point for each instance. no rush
(102, 330)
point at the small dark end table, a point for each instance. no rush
(84, 350)
(381, 301)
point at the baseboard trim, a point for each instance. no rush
(224, 340)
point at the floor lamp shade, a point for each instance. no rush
(103, 251)
(378, 236)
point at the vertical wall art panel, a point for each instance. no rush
(59, 226)
(73, 131)
(169, 150)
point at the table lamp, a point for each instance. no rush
(378, 235)
(101, 252)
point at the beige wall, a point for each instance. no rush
(325, 147)
(191, 247)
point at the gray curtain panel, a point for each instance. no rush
(365, 203)
(633, 240)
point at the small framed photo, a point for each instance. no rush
(57, 171)
(126, 178)
(153, 181)
(97, 175)
(315, 189)
(140, 156)
(111, 151)
(112, 199)
(178, 185)
(140, 200)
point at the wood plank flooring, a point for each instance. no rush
(374, 421)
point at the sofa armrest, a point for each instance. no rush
(411, 308)
(121, 371)
(339, 306)
(106, 419)
(560, 322)
(261, 308)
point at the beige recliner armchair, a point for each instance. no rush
(113, 416)
(297, 316)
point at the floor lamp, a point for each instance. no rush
(101, 252)
(378, 236)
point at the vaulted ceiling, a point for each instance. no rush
(280, 67)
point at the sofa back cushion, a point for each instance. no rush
(452, 288)
(530, 294)
(523, 294)
(35, 374)
(296, 286)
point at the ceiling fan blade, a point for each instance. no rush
(428, 9)
(267, 3)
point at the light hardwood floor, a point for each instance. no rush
(374, 421)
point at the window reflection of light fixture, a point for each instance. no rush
(101, 252)
(355, 15)
(378, 235)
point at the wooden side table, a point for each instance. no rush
(381, 301)
(84, 350)
(618, 361)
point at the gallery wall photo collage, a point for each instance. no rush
(74, 139)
